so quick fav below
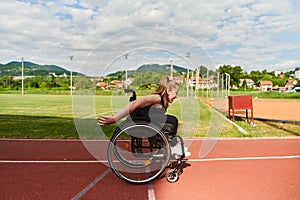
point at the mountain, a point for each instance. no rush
(150, 67)
(159, 68)
(30, 69)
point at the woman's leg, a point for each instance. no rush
(174, 121)
(170, 127)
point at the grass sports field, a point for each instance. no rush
(51, 116)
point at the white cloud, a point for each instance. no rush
(247, 33)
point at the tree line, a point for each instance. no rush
(36, 82)
(236, 73)
(48, 82)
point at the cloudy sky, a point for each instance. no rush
(255, 34)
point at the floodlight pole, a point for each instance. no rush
(197, 79)
(227, 82)
(222, 86)
(218, 81)
(193, 82)
(71, 77)
(126, 75)
(22, 59)
(187, 76)
(207, 84)
(171, 60)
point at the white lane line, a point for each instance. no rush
(105, 161)
(151, 194)
(91, 185)
(185, 139)
(51, 161)
(53, 140)
(244, 158)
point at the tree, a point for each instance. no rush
(52, 83)
(234, 72)
(278, 81)
(147, 78)
(244, 84)
(83, 83)
(256, 76)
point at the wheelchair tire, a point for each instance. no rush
(137, 166)
(172, 176)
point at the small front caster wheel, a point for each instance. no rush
(172, 176)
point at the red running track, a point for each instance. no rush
(233, 169)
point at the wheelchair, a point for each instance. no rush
(140, 150)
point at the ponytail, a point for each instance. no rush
(165, 84)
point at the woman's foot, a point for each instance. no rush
(176, 150)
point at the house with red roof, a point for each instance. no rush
(101, 85)
(265, 85)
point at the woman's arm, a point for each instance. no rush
(139, 103)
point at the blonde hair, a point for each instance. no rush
(165, 84)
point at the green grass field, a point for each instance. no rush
(51, 116)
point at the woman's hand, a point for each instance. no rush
(106, 120)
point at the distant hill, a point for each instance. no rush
(150, 67)
(159, 68)
(30, 69)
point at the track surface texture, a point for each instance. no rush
(265, 168)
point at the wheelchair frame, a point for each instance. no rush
(139, 151)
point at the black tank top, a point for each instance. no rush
(151, 113)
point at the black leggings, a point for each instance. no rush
(169, 123)
(170, 127)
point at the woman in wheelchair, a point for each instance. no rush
(152, 136)
(153, 108)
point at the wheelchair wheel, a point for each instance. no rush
(134, 156)
(172, 176)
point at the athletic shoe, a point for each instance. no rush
(187, 154)
(176, 150)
